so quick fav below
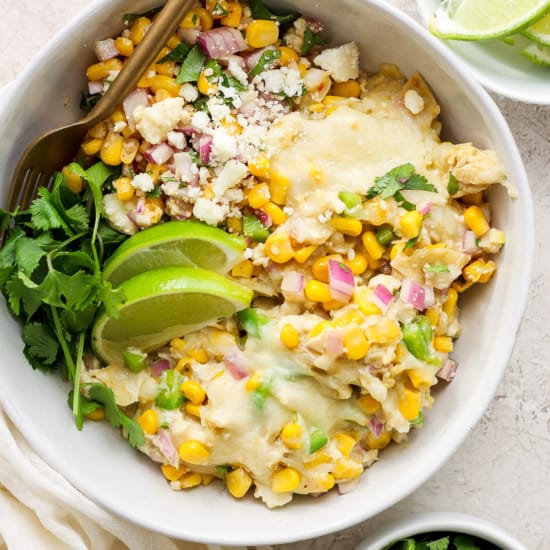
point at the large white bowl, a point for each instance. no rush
(105, 468)
(498, 66)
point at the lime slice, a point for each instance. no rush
(540, 31)
(485, 19)
(177, 243)
(163, 304)
(537, 54)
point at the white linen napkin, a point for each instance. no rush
(41, 510)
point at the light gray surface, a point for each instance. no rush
(502, 471)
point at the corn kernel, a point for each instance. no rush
(171, 473)
(97, 415)
(479, 271)
(74, 182)
(149, 421)
(278, 217)
(319, 268)
(419, 379)
(358, 265)
(318, 458)
(260, 166)
(304, 253)
(332, 305)
(473, 198)
(238, 482)
(443, 344)
(410, 224)
(350, 88)
(207, 479)
(253, 382)
(278, 187)
(433, 316)
(193, 452)
(291, 435)
(475, 219)
(192, 409)
(243, 269)
(190, 480)
(138, 29)
(285, 480)
(344, 442)
(111, 149)
(349, 318)
(258, 195)
(347, 226)
(324, 482)
(261, 33)
(409, 401)
(124, 189)
(362, 296)
(317, 291)
(356, 344)
(129, 150)
(205, 86)
(289, 336)
(279, 248)
(177, 345)
(380, 442)
(372, 246)
(97, 71)
(200, 355)
(319, 328)
(385, 331)
(193, 391)
(368, 404)
(198, 17)
(91, 147)
(287, 56)
(345, 468)
(234, 15)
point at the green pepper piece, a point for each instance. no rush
(261, 393)
(170, 396)
(452, 186)
(385, 235)
(417, 336)
(317, 439)
(418, 421)
(254, 229)
(135, 359)
(349, 199)
(252, 321)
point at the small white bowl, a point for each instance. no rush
(102, 466)
(444, 522)
(498, 66)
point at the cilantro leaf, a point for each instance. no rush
(192, 65)
(436, 268)
(40, 343)
(267, 58)
(311, 39)
(259, 11)
(105, 396)
(178, 54)
(28, 254)
(73, 292)
(465, 542)
(44, 215)
(20, 290)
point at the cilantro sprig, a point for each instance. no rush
(50, 272)
(401, 178)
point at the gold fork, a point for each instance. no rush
(51, 151)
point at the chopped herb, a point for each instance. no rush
(441, 541)
(400, 178)
(252, 321)
(267, 58)
(224, 469)
(232, 82)
(311, 39)
(436, 268)
(219, 10)
(254, 229)
(192, 65)
(156, 192)
(129, 18)
(385, 235)
(452, 186)
(411, 242)
(317, 439)
(259, 11)
(418, 421)
(261, 393)
(178, 54)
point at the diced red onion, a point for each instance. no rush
(189, 34)
(252, 59)
(340, 280)
(159, 366)
(95, 87)
(185, 168)
(105, 49)
(237, 59)
(264, 217)
(167, 447)
(234, 363)
(448, 370)
(140, 205)
(293, 284)
(334, 342)
(425, 208)
(375, 426)
(136, 98)
(205, 148)
(382, 297)
(413, 293)
(347, 486)
(469, 245)
(221, 42)
(159, 154)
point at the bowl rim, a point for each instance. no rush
(439, 521)
(48, 451)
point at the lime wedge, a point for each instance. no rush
(540, 31)
(485, 19)
(176, 243)
(163, 304)
(537, 54)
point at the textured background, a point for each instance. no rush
(502, 471)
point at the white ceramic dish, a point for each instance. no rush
(445, 522)
(498, 66)
(99, 463)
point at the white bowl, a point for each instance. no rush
(99, 463)
(444, 522)
(498, 66)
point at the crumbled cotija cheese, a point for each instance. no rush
(342, 62)
(156, 121)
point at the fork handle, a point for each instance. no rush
(140, 60)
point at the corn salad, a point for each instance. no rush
(363, 230)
